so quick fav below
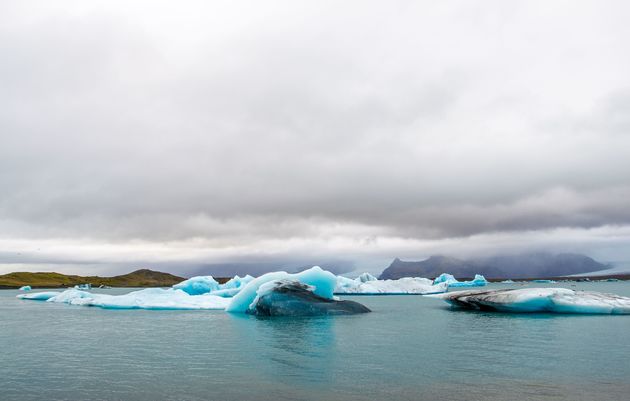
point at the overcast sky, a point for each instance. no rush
(191, 134)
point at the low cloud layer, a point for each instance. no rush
(202, 133)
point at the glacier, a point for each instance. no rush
(366, 284)
(25, 288)
(551, 300)
(451, 281)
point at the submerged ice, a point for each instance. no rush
(555, 300)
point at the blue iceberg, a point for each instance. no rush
(550, 300)
(25, 288)
(208, 285)
(451, 281)
(323, 283)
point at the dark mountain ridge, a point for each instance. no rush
(500, 266)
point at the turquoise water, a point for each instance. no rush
(409, 348)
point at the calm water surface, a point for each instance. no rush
(409, 348)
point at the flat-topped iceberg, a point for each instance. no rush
(405, 285)
(451, 281)
(555, 300)
(150, 298)
(39, 296)
(292, 298)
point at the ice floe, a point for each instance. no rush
(39, 296)
(556, 300)
(451, 281)
(405, 285)
(25, 288)
(150, 298)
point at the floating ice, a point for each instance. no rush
(25, 288)
(39, 296)
(207, 284)
(556, 300)
(543, 281)
(478, 281)
(323, 283)
(150, 298)
(289, 297)
(405, 285)
(507, 282)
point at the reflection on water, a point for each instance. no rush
(292, 348)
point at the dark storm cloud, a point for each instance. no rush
(238, 125)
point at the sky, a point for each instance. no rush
(227, 137)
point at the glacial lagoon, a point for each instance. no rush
(407, 348)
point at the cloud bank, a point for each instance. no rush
(195, 134)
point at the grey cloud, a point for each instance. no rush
(237, 125)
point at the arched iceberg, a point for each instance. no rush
(323, 283)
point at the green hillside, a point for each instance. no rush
(138, 278)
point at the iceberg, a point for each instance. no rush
(288, 297)
(543, 281)
(553, 300)
(208, 285)
(39, 296)
(150, 298)
(507, 282)
(405, 285)
(25, 288)
(451, 281)
(323, 283)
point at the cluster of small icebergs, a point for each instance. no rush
(313, 292)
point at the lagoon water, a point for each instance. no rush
(409, 348)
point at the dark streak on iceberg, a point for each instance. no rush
(292, 298)
(552, 300)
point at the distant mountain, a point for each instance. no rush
(138, 278)
(503, 266)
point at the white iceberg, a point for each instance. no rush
(39, 296)
(323, 283)
(478, 281)
(208, 285)
(405, 285)
(555, 300)
(150, 298)
(25, 288)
